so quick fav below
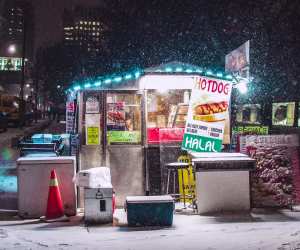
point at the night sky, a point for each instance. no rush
(48, 19)
(147, 33)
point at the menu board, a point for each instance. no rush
(208, 109)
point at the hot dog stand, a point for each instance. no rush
(123, 121)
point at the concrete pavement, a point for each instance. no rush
(259, 230)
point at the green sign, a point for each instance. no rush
(258, 130)
(123, 136)
(201, 144)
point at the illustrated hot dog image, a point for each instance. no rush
(210, 112)
(116, 116)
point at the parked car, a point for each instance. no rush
(10, 105)
(3, 122)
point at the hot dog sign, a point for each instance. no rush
(208, 109)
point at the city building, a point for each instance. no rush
(17, 40)
(84, 29)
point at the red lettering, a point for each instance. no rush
(203, 84)
(220, 87)
(212, 86)
(226, 89)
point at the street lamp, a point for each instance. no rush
(12, 49)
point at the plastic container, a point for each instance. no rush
(41, 138)
(150, 210)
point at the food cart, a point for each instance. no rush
(120, 119)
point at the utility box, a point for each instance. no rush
(98, 205)
(33, 184)
(150, 210)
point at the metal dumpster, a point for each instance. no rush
(33, 184)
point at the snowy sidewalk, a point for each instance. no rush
(258, 230)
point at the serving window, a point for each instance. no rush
(123, 119)
(283, 113)
(166, 109)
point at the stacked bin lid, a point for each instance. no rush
(149, 199)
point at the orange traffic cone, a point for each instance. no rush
(55, 209)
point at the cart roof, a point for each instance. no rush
(130, 80)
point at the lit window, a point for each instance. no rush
(85, 22)
(80, 22)
(94, 23)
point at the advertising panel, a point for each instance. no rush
(208, 109)
(92, 105)
(249, 114)
(115, 136)
(93, 136)
(116, 116)
(93, 131)
(70, 116)
(237, 62)
(283, 113)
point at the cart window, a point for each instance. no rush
(283, 113)
(166, 109)
(123, 118)
(248, 114)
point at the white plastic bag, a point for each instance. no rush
(94, 178)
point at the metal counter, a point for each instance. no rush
(223, 182)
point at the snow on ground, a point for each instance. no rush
(260, 230)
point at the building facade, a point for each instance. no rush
(17, 40)
(84, 29)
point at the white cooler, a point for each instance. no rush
(98, 207)
(98, 194)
